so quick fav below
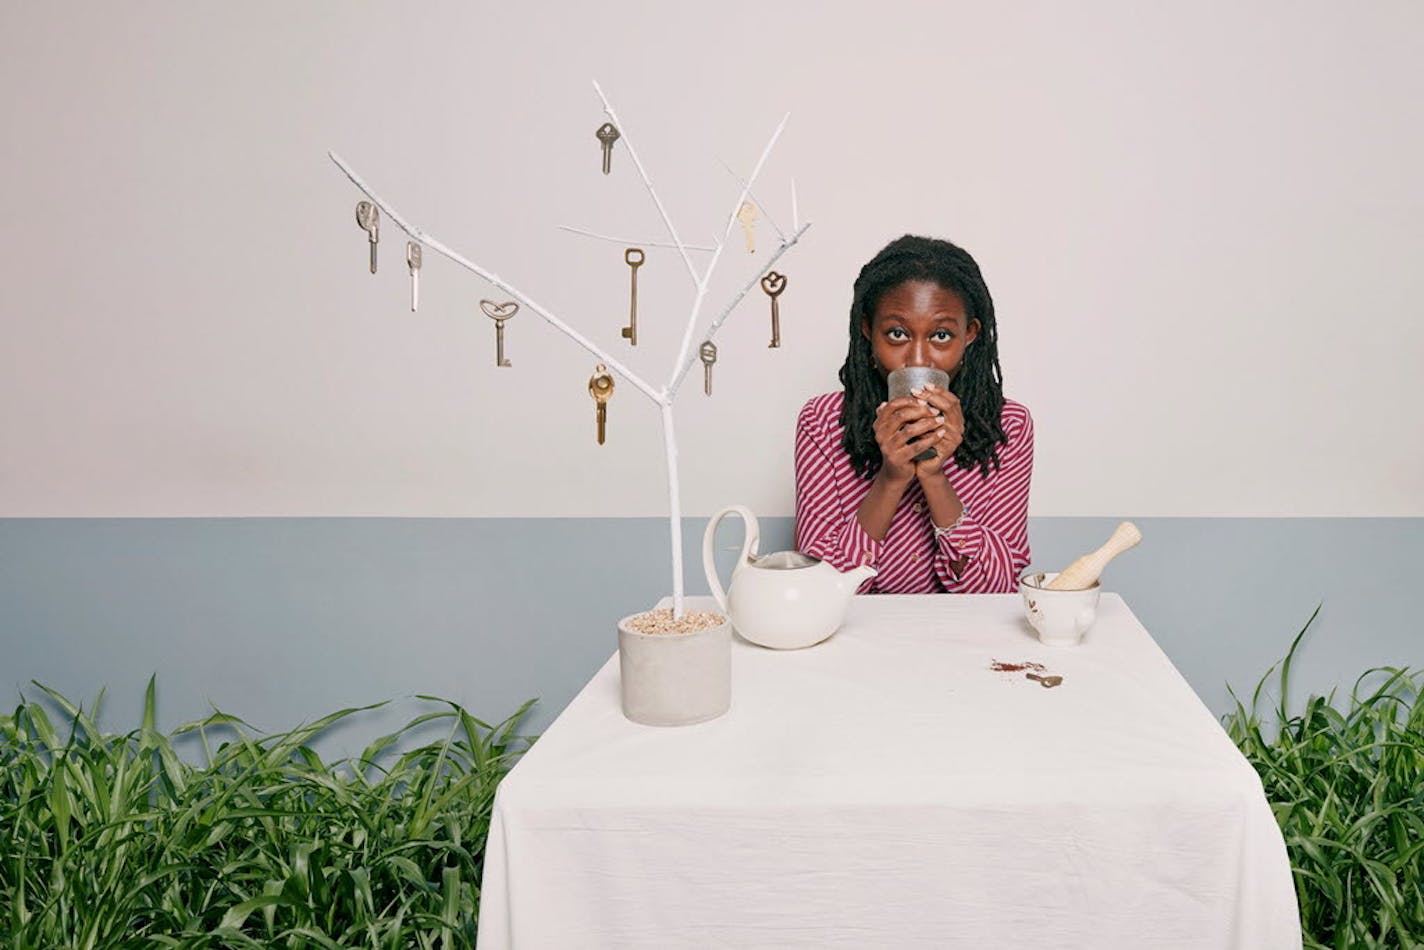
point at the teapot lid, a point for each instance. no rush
(785, 561)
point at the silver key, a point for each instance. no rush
(369, 217)
(607, 134)
(499, 312)
(412, 260)
(708, 352)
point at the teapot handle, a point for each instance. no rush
(749, 546)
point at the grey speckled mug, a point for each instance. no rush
(906, 378)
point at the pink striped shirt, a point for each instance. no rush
(911, 559)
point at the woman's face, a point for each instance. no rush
(919, 323)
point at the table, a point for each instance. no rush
(888, 789)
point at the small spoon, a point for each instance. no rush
(1047, 682)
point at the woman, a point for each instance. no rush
(958, 521)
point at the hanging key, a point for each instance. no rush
(747, 214)
(600, 387)
(774, 283)
(607, 134)
(369, 217)
(499, 312)
(412, 260)
(633, 256)
(708, 352)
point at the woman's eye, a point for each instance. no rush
(897, 333)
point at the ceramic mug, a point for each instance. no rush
(901, 381)
(1060, 617)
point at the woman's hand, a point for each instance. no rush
(944, 407)
(896, 423)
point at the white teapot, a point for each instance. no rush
(785, 600)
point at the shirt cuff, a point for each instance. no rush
(847, 548)
(859, 547)
(963, 538)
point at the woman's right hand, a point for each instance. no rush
(896, 423)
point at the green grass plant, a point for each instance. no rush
(1346, 783)
(117, 841)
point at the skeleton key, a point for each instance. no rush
(633, 256)
(607, 134)
(708, 352)
(774, 283)
(369, 217)
(747, 214)
(600, 387)
(412, 260)
(499, 312)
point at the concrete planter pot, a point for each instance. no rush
(675, 679)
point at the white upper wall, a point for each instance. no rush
(1201, 224)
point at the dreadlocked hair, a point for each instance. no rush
(979, 384)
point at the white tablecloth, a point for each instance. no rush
(888, 789)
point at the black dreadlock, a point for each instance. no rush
(979, 385)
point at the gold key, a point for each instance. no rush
(634, 258)
(499, 312)
(607, 134)
(708, 352)
(369, 217)
(600, 387)
(774, 283)
(747, 214)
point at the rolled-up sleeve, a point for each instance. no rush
(988, 547)
(826, 527)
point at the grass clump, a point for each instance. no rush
(1346, 784)
(115, 841)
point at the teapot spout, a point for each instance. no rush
(853, 578)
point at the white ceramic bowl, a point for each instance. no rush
(1060, 617)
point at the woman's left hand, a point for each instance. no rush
(946, 404)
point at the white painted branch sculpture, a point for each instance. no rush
(665, 396)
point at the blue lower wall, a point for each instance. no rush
(282, 620)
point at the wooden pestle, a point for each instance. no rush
(1084, 572)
